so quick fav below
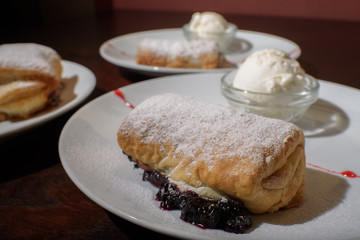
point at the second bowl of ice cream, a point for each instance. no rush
(210, 26)
(272, 84)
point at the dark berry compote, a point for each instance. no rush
(227, 214)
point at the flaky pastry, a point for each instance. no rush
(29, 75)
(179, 54)
(218, 150)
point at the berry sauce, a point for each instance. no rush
(227, 214)
(347, 173)
(121, 95)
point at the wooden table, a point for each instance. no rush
(39, 201)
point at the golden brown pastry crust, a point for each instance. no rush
(179, 54)
(29, 74)
(258, 160)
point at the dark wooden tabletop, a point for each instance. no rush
(37, 198)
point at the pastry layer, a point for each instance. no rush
(29, 74)
(258, 160)
(179, 54)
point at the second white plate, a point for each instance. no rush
(121, 50)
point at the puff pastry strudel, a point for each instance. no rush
(29, 74)
(179, 54)
(217, 151)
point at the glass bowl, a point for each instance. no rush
(286, 106)
(224, 39)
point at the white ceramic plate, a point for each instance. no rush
(92, 158)
(121, 50)
(77, 77)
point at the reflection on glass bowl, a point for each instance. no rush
(224, 39)
(286, 106)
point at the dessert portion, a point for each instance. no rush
(208, 34)
(29, 75)
(179, 54)
(217, 153)
(210, 26)
(270, 71)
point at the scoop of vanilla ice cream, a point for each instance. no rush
(270, 71)
(208, 22)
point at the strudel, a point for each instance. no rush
(217, 152)
(179, 54)
(29, 75)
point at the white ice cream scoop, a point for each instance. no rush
(208, 22)
(270, 71)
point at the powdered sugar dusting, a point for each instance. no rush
(194, 128)
(29, 56)
(100, 166)
(173, 49)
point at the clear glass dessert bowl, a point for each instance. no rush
(286, 106)
(224, 39)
